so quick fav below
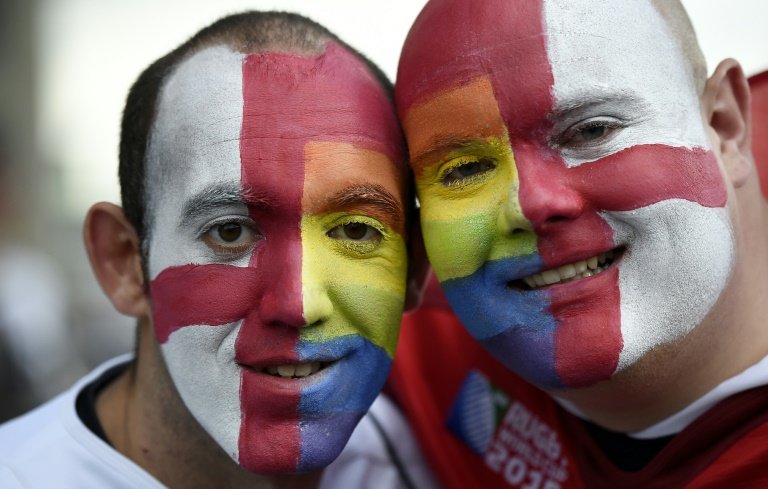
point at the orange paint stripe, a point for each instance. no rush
(337, 171)
(452, 117)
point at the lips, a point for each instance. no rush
(570, 272)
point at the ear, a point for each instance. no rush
(418, 265)
(115, 255)
(726, 105)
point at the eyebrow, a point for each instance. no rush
(586, 100)
(225, 194)
(372, 196)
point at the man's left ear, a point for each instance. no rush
(726, 105)
(418, 266)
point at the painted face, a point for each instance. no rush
(276, 252)
(571, 206)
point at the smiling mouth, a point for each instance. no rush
(296, 370)
(570, 272)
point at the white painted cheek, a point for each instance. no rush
(598, 47)
(195, 143)
(678, 261)
(201, 362)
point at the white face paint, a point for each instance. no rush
(194, 146)
(623, 66)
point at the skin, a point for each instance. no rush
(542, 140)
(260, 257)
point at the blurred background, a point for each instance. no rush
(65, 68)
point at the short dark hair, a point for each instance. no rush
(246, 32)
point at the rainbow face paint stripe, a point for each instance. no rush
(542, 144)
(305, 151)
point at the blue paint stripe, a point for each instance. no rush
(322, 440)
(330, 409)
(514, 325)
(356, 379)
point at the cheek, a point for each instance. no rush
(193, 358)
(465, 228)
(677, 267)
(353, 293)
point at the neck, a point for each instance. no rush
(145, 419)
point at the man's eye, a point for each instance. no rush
(355, 231)
(590, 132)
(229, 232)
(467, 170)
(230, 237)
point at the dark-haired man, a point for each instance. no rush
(262, 246)
(591, 209)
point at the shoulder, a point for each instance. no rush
(35, 430)
(51, 447)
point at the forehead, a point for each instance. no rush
(221, 111)
(542, 50)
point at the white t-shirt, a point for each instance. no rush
(50, 447)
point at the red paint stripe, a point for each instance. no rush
(269, 436)
(582, 346)
(272, 157)
(201, 294)
(588, 341)
(643, 175)
(635, 177)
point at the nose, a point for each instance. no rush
(281, 301)
(546, 194)
(511, 219)
(318, 306)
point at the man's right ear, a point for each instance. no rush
(115, 254)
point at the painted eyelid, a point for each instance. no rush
(460, 161)
(358, 219)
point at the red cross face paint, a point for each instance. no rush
(570, 203)
(276, 249)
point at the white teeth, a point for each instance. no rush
(286, 370)
(294, 371)
(567, 271)
(530, 282)
(302, 370)
(573, 271)
(550, 277)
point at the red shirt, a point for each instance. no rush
(481, 426)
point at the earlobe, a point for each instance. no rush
(115, 254)
(726, 105)
(418, 266)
